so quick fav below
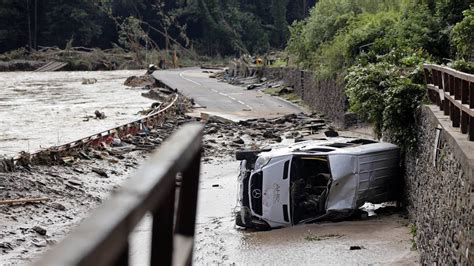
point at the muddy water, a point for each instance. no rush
(44, 109)
(382, 240)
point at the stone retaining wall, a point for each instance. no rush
(325, 96)
(441, 197)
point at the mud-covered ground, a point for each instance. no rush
(78, 187)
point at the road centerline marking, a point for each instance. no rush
(190, 80)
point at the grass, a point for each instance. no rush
(413, 236)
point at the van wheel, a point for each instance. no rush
(238, 220)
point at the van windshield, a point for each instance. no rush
(310, 178)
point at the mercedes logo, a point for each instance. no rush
(256, 193)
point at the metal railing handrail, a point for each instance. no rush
(102, 239)
(451, 71)
(453, 92)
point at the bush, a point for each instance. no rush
(365, 88)
(463, 66)
(387, 93)
(462, 35)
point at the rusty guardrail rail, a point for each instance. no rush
(102, 239)
(453, 92)
(107, 136)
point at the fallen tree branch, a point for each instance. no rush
(15, 201)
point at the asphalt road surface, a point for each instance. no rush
(229, 101)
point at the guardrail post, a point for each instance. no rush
(464, 122)
(471, 129)
(187, 206)
(455, 115)
(471, 95)
(465, 92)
(452, 88)
(162, 234)
(457, 89)
(123, 258)
(446, 108)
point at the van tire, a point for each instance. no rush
(238, 220)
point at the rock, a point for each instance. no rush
(6, 245)
(356, 248)
(331, 133)
(100, 172)
(286, 90)
(269, 134)
(238, 141)
(211, 130)
(116, 142)
(39, 230)
(74, 182)
(89, 81)
(99, 114)
(58, 206)
(155, 94)
(252, 86)
(39, 244)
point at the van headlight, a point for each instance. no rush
(261, 162)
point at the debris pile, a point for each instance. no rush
(225, 137)
(89, 81)
(145, 81)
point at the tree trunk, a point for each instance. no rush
(35, 37)
(30, 41)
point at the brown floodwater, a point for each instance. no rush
(382, 240)
(41, 109)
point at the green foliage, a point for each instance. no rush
(413, 232)
(463, 66)
(366, 88)
(462, 35)
(417, 28)
(388, 92)
(380, 46)
(213, 27)
(360, 33)
(331, 19)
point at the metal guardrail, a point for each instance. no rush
(453, 92)
(107, 136)
(102, 239)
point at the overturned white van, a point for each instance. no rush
(315, 180)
